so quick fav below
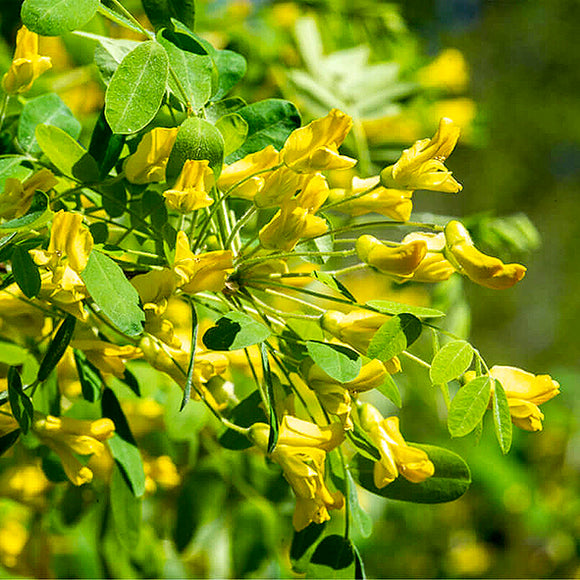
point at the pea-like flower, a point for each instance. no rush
(148, 163)
(525, 391)
(190, 191)
(17, 197)
(243, 172)
(479, 267)
(393, 203)
(106, 356)
(371, 376)
(27, 65)
(400, 260)
(301, 453)
(434, 267)
(200, 272)
(279, 186)
(70, 437)
(397, 457)
(315, 147)
(421, 166)
(296, 220)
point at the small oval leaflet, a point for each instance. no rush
(337, 361)
(137, 87)
(451, 362)
(55, 17)
(468, 406)
(233, 331)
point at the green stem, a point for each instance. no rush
(362, 147)
(282, 255)
(130, 17)
(416, 359)
(3, 108)
(240, 224)
(381, 223)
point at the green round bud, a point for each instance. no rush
(196, 139)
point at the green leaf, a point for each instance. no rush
(335, 552)
(110, 52)
(303, 540)
(47, 109)
(11, 166)
(451, 362)
(191, 365)
(12, 354)
(450, 480)
(337, 361)
(194, 69)
(244, 414)
(468, 406)
(37, 215)
(114, 198)
(361, 521)
(55, 17)
(113, 293)
(20, 402)
(126, 511)
(234, 130)
(57, 347)
(105, 146)
(68, 156)
(215, 111)
(334, 283)
(231, 68)
(160, 12)
(359, 438)
(394, 336)
(25, 272)
(233, 331)
(137, 88)
(6, 441)
(390, 390)
(270, 122)
(502, 417)
(123, 445)
(389, 307)
(89, 376)
(268, 395)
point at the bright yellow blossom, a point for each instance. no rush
(26, 484)
(448, 71)
(68, 437)
(17, 196)
(107, 356)
(148, 163)
(200, 272)
(421, 166)
(190, 191)
(315, 147)
(525, 391)
(393, 203)
(401, 260)
(301, 453)
(244, 170)
(296, 220)
(162, 472)
(371, 375)
(480, 268)
(278, 187)
(27, 65)
(434, 267)
(397, 457)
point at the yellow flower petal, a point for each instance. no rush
(190, 191)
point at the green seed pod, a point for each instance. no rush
(196, 139)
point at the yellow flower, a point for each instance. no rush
(143, 416)
(525, 391)
(477, 266)
(68, 437)
(13, 539)
(393, 203)
(397, 457)
(315, 147)
(17, 196)
(448, 71)
(148, 163)
(26, 65)
(434, 267)
(26, 484)
(278, 187)
(244, 169)
(296, 220)
(68, 238)
(371, 375)
(200, 272)
(190, 191)
(401, 260)
(66, 290)
(301, 453)
(421, 166)
(107, 356)
(160, 471)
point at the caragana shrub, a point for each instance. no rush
(197, 236)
